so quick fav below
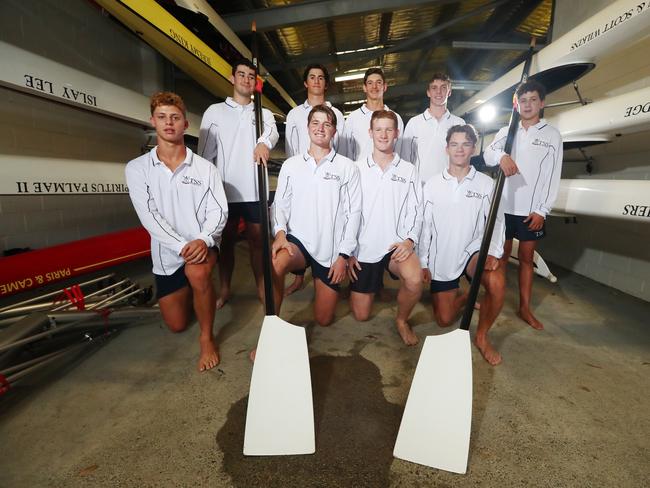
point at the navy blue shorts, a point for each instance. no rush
(317, 270)
(516, 228)
(167, 284)
(249, 211)
(438, 286)
(370, 277)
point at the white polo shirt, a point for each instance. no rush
(538, 155)
(176, 207)
(392, 207)
(357, 143)
(296, 135)
(455, 214)
(319, 204)
(227, 138)
(425, 141)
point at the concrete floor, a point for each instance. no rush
(568, 406)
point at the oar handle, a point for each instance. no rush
(262, 183)
(494, 206)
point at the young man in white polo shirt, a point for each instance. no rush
(456, 206)
(227, 138)
(316, 79)
(533, 177)
(424, 141)
(316, 214)
(391, 219)
(356, 142)
(180, 200)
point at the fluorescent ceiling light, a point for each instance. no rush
(351, 76)
(363, 49)
(352, 102)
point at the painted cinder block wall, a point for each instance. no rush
(615, 253)
(77, 34)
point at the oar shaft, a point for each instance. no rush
(262, 187)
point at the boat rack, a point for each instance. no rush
(54, 329)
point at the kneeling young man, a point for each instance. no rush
(456, 206)
(316, 215)
(391, 219)
(180, 200)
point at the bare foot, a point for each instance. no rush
(490, 354)
(406, 333)
(528, 317)
(223, 299)
(209, 356)
(298, 284)
(251, 355)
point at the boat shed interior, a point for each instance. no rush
(95, 390)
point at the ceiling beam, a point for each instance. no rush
(315, 11)
(413, 42)
(495, 46)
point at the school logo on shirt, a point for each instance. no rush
(539, 142)
(473, 194)
(330, 176)
(399, 179)
(187, 180)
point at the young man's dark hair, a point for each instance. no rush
(532, 86)
(305, 74)
(323, 109)
(467, 129)
(374, 71)
(243, 62)
(439, 76)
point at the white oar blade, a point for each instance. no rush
(280, 415)
(437, 419)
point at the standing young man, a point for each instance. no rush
(316, 79)
(456, 206)
(533, 177)
(357, 143)
(425, 134)
(227, 138)
(391, 219)
(180, 200)
(316, 215)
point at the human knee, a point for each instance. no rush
(198, 274)
(177, 325)
(360, 314)
(413, 283)
(324, 318)
(444, 319)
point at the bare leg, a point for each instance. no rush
(200, 278)
(447, 306)
(254, 237)
(175, 309)
(227, 261)
(324, 303)
(410, 289)
(361, 305)
(491, 305)
(526, 273)
(298, 283)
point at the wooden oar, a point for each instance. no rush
(437, 421)
(280, 414)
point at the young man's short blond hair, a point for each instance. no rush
(167, 98)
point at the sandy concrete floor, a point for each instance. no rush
(568, 406)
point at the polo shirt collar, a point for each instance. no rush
(330, 156)
(427, 115)
(395, 162)
(155, 160)
(469, 176)
(539, 125)
(232, 104)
